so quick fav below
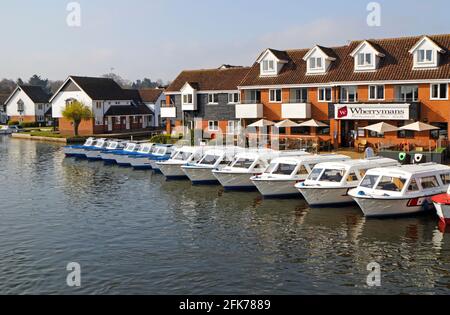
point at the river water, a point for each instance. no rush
(132, 232)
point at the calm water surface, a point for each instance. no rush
(134, 233)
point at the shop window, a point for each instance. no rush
(404, 134)
(441, 133)
(300, 131)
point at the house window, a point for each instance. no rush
(439, 91)
(253, 97)
(315, 63)
(98, 105)
(40, 107)
(365, 59)
(275, 96)
(98, 122)
(135, 119)
(404, 134)
(213, 98)
(234, 98)
(325, 94)
(187, 99)
(268, 66)
(349, 94)
(213, 125)
(118, 120)
(424, 56)
(20, 106)
(299, 95)
(231, 126)
(407, 93)
(376, 92)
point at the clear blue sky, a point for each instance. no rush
(159, 38)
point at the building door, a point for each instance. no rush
(347, 133)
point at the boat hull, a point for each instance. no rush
(108, 158)
(141, 164)
(235, 181)
(172, 171)
(374, 207)
(317, 197)
(200, 175)
(93, 155)
(123, 160)
(277, 188)
(74, 152)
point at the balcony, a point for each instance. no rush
(296, 109)
(168, 112)
(188, 107)
(249, 110)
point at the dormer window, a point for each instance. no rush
(318, 60)
(426, 53)
(271, 62)
(366, 56)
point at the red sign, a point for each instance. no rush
(343, 112)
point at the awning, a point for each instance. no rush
(419, 126)
(381, 128)
(129, 110)
(286, 124)
(313, 123)
(262, 123)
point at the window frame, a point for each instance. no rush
(212, 99)
(274, 93)
(232, 98)
(319, 89)
(215, 128)
(438, 98)
(377, 98)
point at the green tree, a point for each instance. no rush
(77, 112)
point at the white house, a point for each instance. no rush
(3, 116)
(154, 99)
(114, 109)
(29, 103)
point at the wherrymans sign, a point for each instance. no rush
(372, 111)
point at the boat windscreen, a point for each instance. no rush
(182, 156)
(145, 149)
(284, 169)
(209, 160)
(315, 173)
(242, 163)
(89, 142)
(369, 181)
(130, 147)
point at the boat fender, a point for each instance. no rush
(361, 193)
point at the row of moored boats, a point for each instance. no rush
(380, 186)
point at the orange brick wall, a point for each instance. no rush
(27, 119)
(86, 127)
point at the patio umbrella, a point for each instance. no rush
(262, 123)
(313, 123)
(381, 128)
(286, 124)
(419, 126)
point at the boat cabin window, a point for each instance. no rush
(445, 179)
(369, 181)
(130, 147)
(182, 156)
(352, 177)
(285, 169)
(302, 170)
(429, 182)
(112, 145)
(260, 165)
(333, 176)
(145, 150)
(100, 144)
(413, 186)
(389, 183)
(159, 151)
(89, 142)
(243, 163)
(315, 174)
(209, 160)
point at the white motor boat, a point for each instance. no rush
(108, 154)
(281, 176)
(329, 183)
(94, 153)
(215, 159)
(121, 157)
(400, 190)
(79, 150)
(158, 152)
(236, 176)
(171, 168)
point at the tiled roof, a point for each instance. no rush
(100, 89)
(150, 95)
(128, 110)
(3, 98)
(210, 79)
(36, 93)
(396, 65)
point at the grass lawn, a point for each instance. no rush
(49, 134)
